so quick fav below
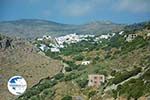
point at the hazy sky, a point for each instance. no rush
(76, 11)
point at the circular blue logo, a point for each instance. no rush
(17, 85)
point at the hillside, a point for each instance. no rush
(32, 28)
(21, 58)
(123, 58)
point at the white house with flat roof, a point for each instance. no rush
(55, 50)
(43, 47)
(85, 62)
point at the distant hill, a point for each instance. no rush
(31, 28)
(138, 26)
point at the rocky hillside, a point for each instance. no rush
(19, 57)
(32, 28)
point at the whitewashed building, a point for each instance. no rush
(120, 33)
(131, 37)
(47, 37)
(43, 47)
(55, 50)
(71, 38)
(40, 39)
(148, 35)
(85, 62)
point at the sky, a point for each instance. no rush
(76, 11)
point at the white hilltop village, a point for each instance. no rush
(68, 39)
(58, 42)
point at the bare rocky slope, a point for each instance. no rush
(21, 58)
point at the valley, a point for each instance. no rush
(68, 67)
(122, 58)
(75, 50)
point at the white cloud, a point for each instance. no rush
(134, 6)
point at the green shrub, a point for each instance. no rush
(114, 94)
(100, 71)
(97, 58)
(82, 82)
(113, 72)
(48, 93)
(91, 94)
(72, 65)
(67, 97)
(68, 69)
(53, 55)
(134, 88)
(59, 76)
(79, 57)
(146, 75)
(71, 76)
(81, 67)
(34, 98)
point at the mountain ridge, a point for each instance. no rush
(32, 28)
